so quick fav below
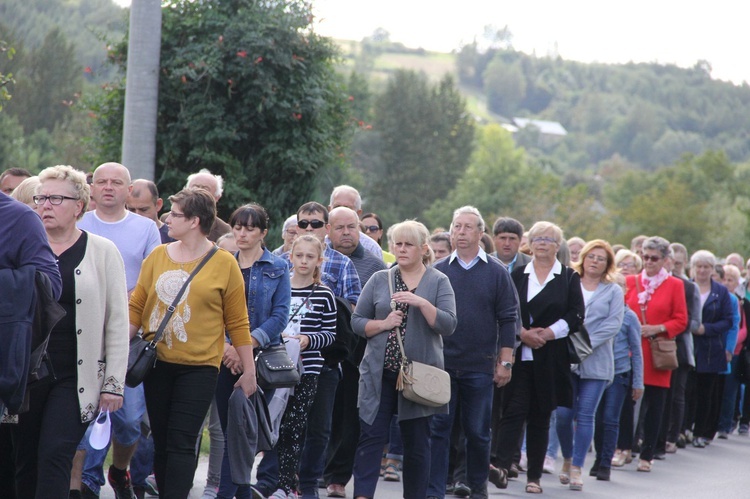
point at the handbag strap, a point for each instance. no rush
(173, 306)
(315, 286)
(391, 279)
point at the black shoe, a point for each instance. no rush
(661, 456)
(681, 442)
(87, 493)
(140, 492)
(603, 474)
(498, 477)
(461, 490)
(595, 468)
(513, 471)
(122, 486)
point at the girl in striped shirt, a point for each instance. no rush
(313, 323)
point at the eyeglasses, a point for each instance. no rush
(625, 265)
(545, 240)
(370, 228)
(651, 258)
(54, 199)
(596, 258)
(315, 224)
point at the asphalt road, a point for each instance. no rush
(720, 471)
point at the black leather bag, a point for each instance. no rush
(579, 345)
(142, 353)
(275, 369)
(141, 360)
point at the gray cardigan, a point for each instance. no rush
(604, 314)
(422, 343)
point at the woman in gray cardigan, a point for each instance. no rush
(425, 311)
(604, 314)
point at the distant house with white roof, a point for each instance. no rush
(550, 132)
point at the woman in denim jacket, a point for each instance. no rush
(268, 292)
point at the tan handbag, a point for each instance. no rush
(418, 382)
(663, 349)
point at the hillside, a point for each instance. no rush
(647, 115)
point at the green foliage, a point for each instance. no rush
(5, 78)
(248, 91)
(424, 139)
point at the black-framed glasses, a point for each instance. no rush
(315, 224)
(370, 228)
(54, 199)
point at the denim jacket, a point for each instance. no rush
(268, 292)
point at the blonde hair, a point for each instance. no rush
(307, 238)
(25, 191)
(76, 179)
(542, 227)
(610, 271)
(626, 253)
(412, 232)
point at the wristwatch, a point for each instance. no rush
(662, 329)
(507, 365)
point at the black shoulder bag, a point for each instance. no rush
(274, 367)
(142, 356)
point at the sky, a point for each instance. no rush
(662, 31)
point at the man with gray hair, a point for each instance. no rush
(479, 352)
(348, 196)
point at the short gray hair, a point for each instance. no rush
(470, 210)
(702, 256)
(658, 244)
(219, 181)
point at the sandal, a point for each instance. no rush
(533, 488)
(644, 465)
(499, 477)
(391, 473)
(564, 475)
(576, 480)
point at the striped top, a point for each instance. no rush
(316, 319)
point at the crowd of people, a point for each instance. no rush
(495, 307)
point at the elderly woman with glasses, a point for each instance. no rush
(551, 307)
(627, 262)
(604, 314)
(88, 347)
(658, 299)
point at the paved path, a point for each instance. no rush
(720, 471)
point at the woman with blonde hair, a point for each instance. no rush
(604, 314)
(425, 310)
(627, 262)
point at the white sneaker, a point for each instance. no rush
(523, 464)
(549, 464)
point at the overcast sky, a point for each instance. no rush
(663, 31)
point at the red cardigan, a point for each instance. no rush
(667, 306)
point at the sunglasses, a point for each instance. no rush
(370, 228)
(315, 224)
(649, 258)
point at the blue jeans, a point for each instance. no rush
(586, 396)
(142, 463)
(608, 418)
(372, 439)
(729, 398)
(473, 390)
(126, 428)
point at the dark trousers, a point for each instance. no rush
(521, 405)
(690, 402)
(416, 437)
(674, 411)
(46, 438)
(706, 390)
(345, 428)
(177, 399)
(627, 429)
(7, 464)
(652, 409)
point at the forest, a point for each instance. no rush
(649, 148)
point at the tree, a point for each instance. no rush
(142, 88)
(5, 79)
(505, 86)
(426, 138)
(248, 91)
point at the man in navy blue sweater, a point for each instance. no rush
(478, 354)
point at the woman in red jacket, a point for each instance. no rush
(659, 301)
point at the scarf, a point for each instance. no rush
(650, 284)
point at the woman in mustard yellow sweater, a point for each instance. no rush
(180, 388)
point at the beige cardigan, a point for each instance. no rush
(101, 324)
